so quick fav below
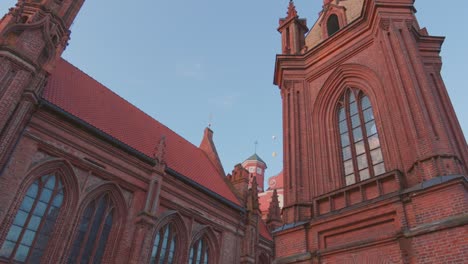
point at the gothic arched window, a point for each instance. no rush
(199, 252)
(164, 245)
(333, 24)
(360, 146)
(93, 231)
(34, 222)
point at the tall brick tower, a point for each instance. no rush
(33, 35)
(375, 162)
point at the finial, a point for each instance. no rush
(160, 150)
(210, 120)
(256, 143)
(291, 9)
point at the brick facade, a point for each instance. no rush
(412, 208)
(79, 183)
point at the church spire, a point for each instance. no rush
(274, 212)
(208, 146)
(291, 9)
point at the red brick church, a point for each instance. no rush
(86, 177)
(375, 162)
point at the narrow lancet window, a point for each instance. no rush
(93, 231)
(164, 246)
(199, 252)
(360, 146)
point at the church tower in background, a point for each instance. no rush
(375, 162)
(256, 168)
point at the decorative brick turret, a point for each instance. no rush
(252, 221)
(33, 36)
(38, 31)
(239, 180)
(293, 30)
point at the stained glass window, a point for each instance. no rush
(360, 146)
(34, 222)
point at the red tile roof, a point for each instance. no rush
(83, 97)
(264, 230)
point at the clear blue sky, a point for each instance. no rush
(182, 61)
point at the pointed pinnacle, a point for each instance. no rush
(291, 9)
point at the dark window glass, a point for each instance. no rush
(164, 245)
(332, 25)
(199, 252)
(93, 231)
(361, 151)
(29, 234)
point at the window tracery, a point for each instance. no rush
(165, 245)
(360, 145)
(93, 231)
(199, 252)
(34, 222)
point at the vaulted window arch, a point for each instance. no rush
(30, 232)
(360, 145)
(165, 245)
(200, 252)
(93, 231)
(169, 240)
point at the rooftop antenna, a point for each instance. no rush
(210, 120)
